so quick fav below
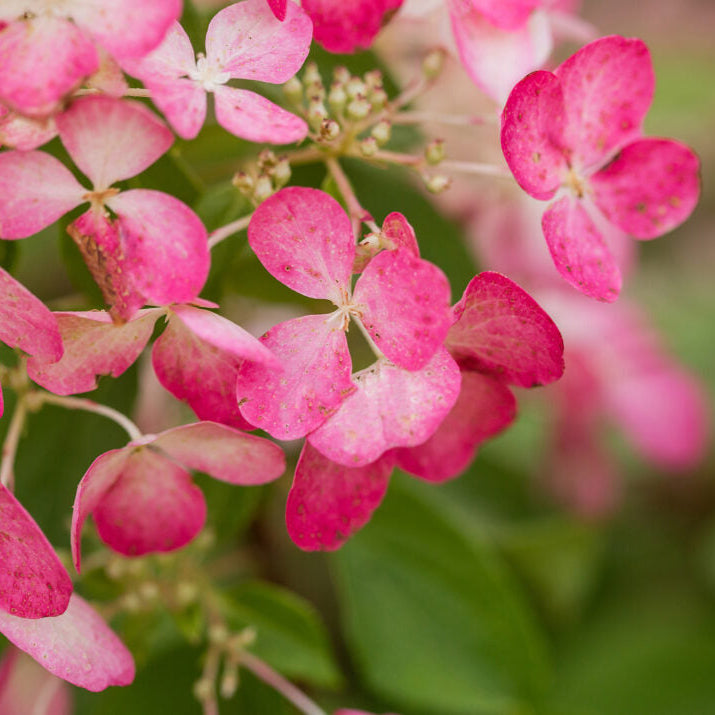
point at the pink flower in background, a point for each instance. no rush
(577, 131)
(244, 41)
(47, 49)
(279, 8)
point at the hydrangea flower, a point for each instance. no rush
(575, 135)
(244, 41)
(156, 248)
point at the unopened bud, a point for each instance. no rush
(316, 113)
(433, 63)
(186, 593)
(315, 90)
(311, 73)
(368, 146)
(203, 689)
(437, 184)
(341, 74)
(359, 108)
(263, 189)
(229, 683)
(381, 132)
(434, 151)
(373, 79)
(378, 98)
(281, 173)
(266, 159)
(115, 569)
(337, 97)
(130, 602)
(355, 87)
(293, 90)
(329, 130)
(243, 182)
(149, 591)
(218, 634)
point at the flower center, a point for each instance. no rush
(575, 183)
(99, 197)
(209, 76)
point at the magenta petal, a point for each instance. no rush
(484, 408)
(304, 239)
(313, 383)
(608, 88)
(152, 506)
(502, 331)
(651, 187)
(251, 116)
(223, 453)
(77, 646)
(165, 243)
(33, 581)
(278, 8)
(404, 304)
(112, 139)
(579, 251)
(25, 321)
(397, 233)
(329, 502)
(532, 127)
(42, 60)
(391, 407)
(35, 190)
(94, 346)
(248, 42)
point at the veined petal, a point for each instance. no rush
(391, 407)
(304, 239)
(247, 41)
(650, 187)
(314, 381)
(172, 59)
(251, 116)
(77, 646)
(397, 233)
(35, 190)
(112, 139)
(329, 502)
(579, 251)
(500, 330)
(23, 133)
(183, 102)
(505, 14)
(404, 305)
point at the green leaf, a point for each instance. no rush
(433, 618)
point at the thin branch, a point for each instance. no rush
(357, 213)
(215, 237)
(9, 447)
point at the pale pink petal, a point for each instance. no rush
(496, 59)
(183, 102)
(251, 116)
(33, 581)
(35, 190)
(248, 42)
(404, 304)
(94, 346)
(25, 321)
(304, 239)
(112, 139)
(313, 383)
(165, 243)
(127, 28)
(329, 502)
(77, 646)
(651, 187)
(223, 453)
(172, 59)
(152, 506)
(42, 60)
(608, 88)
(505, 14)
(579, 251)
(23, 133)
(397, 233)
(484, 408)
(278, 8)
(502, 331)
(391, 407)
(532, 126)
(341, 26)
(109, 78)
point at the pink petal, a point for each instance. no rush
(502, 331)
(35, 190)
(608, 88)
(495, 59)
(329, 502)
(223, 453)
(109, 78)
(112, 139)
(94, 346)
(250, 116)
(348, 26)
(152, 506)
(278, 8)
(248, 42)
(25, 321)
(197, 359)
(651, 187)
(532, 127)
(315, 380)
(183, 102)
(391, 407)
(404, 305)
(304, 239)
(505, 14)
(165, 243)
(579, 251)
(77, 646)
(397, 233)
(172, 59)
(484, 408)
(22, 133)
(42, 60)
(33, 581)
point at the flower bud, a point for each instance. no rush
(266, 159)
(337, 97)
(243, 182)
(293, 90)
(329, 130)
(341, 74)
(316, 113)
(378, 98)
(315, 90)
(368, 146)
(437, 184)
(359, 108)
(264, 189)
(434, 151)
(433, 63)
(311, 73)
(355, 88)
(373, 79)
(203, 689)
(149, 591)
(218, 634)
(281, 173)
(381, 132)
(186, 593)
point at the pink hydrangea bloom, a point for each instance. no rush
(575, 135)
(142, 497)
(48, 48)
(155, 250)
(244, 41)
